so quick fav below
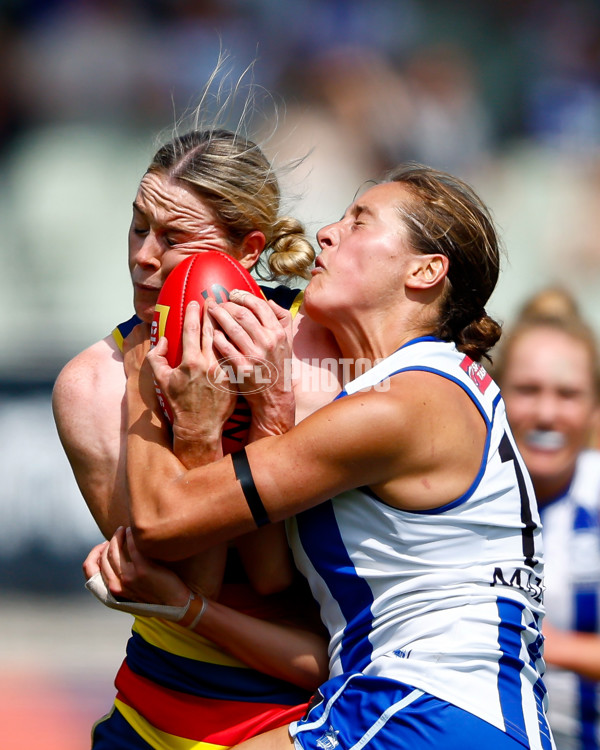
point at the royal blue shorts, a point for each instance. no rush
(354, 712)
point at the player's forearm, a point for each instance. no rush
(285, 652)
(149, 457)
(107, 502)
(572, 650)
(153, 475)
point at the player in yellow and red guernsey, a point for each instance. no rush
(206, 190)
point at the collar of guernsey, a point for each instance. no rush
(290, 299)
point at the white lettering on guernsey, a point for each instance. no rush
(519, 578)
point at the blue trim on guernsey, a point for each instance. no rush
(418, 341)
(408, 343)
(510, 663)
(465, 496)
(207, 680)
(451, 378)
(540, 692)
(496, 401)
(586, 620)
(584, 520)
(348, 589)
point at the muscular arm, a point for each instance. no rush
(89, 408)
(88, 402)
(389, 440)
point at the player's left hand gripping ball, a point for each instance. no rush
(207, 274)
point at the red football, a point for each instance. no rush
(205, 274)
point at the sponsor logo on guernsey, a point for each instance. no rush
(329, 739)
(518, 578)
(477, 373)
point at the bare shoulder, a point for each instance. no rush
(92, 383)
(419, 439)
(439, 434)
(100, 365)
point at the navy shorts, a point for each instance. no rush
(351, 712)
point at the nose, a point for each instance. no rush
(547, 409)
(148, 252)
(326, 236)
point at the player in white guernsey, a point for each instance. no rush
(551, 381)
(412, 514)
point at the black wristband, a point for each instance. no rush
(246, 480)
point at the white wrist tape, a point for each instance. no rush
(100, 590)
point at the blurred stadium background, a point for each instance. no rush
(504, 93)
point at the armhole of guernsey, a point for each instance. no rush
(123, 330)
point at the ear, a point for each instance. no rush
(426, 271)
(252, 246)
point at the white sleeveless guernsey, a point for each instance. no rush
(572, 537)
(447, 600)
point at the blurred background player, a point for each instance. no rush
(550, 379)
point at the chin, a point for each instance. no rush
(144, 308)
(144, 312)
(550, 470)
(313, 302)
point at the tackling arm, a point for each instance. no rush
(175, 511)
(407, 443)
